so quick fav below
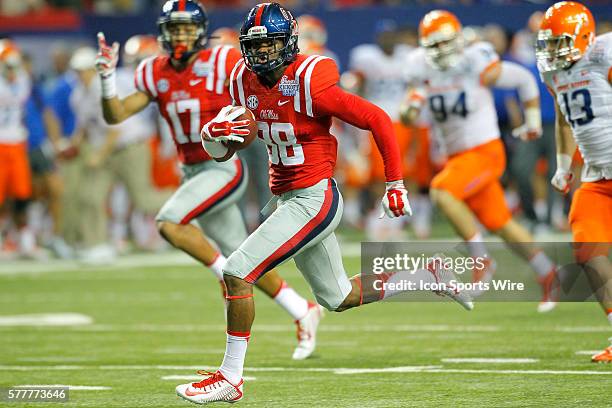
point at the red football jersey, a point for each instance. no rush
(189, 98)
(301, 149)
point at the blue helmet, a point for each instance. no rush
(268, 21)
(186, 12)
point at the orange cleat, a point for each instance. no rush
(603, 357)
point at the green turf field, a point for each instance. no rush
(154, 326)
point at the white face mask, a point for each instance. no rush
(444, 54)
(555, 53)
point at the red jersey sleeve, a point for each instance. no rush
(144, 77)
(324, 75)
(333, 101)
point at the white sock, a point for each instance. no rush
(217, 266)
(233, 361)
(610, 316)
(541, 264)
(27, 240)
(294, 304)
(476, 246)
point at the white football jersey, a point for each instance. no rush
(461, 108)
(139, 127)
(385, 82)
(584, 95)
(13, 97)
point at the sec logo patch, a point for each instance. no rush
(163, 85)
(252, 102)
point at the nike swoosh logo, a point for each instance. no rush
(281, 103)
(194, 82)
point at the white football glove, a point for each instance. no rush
(106, 61)
(562, 180)
(532, 128)
(395, 201)
(224, 127)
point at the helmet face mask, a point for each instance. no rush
(182, 32)
(555, 53)
(268, 38)
(444, 54)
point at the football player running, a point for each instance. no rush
(190, 86)
(454, 81)
(576, 67)
(294, 97)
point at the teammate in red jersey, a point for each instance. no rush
(189, 86)
(294, 98)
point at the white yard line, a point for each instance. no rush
(196, 378)
(480, 360)
(55, 359)
(70, 387)
(587, 352)
(46, 319)
(336, 370)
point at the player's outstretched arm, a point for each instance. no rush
(365, 115)
(509, 75)
(115, 110)
(564, 139)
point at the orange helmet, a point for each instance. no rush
(566, 32)
(139, 47)
(313, 34)
(440, 35)
(9, 54)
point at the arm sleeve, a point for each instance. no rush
(358, 112)
(514, 76)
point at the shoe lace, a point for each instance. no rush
(212, 378)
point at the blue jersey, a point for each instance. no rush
(34, 122)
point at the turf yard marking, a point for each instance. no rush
(584, 329)
(521, 372)
(47, 319)
(55, 359)
(490, 360)
(185, 350)
(196, 378)
(70, 387)
(587, 352)
(336, 370)
(282, 328)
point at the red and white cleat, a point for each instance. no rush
(307, 331)
(550, 291)
(215, 388)
(446, 276)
